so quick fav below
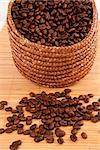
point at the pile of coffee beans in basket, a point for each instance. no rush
(54, 110)
(53, 22)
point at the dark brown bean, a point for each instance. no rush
(60, 140)
(1, 107)
(50, 139)
(8, 130)
(59, 132)
(4, 102)
(15, 145)
(26, 132)
(2, 130)
(84, 135)
(8, 109)
(73, 137)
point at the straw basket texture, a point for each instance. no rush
(53, 66)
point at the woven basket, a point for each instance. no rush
(53, 66)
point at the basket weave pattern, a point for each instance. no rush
(53, 66)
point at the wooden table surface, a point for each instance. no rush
(13, 86)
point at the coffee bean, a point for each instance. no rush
(84, 135)
(4, 102)
(60, 140)
(20, 125)
(15, 145)
(33, 127)
(50, 139)
(73, 137)
(1, 106)
(8, 109)
(9, 124)
(26, 132)
(32, 94)
(2, 130)
(20, 130)
(59, 132)
(8, 130)
(39, 138)
(63, 123)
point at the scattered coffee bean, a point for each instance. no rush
(8, 130)
(15, 145)
(26, 132)
(59, 132)
(4, 102)
(50, 139)
(8, 109)
(73, 137)
(53, 113)
(1, 106)
(60, 140)
(2, 130)
(84, 135)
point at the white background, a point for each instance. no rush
(4, 5)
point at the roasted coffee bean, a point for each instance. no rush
(59, 132)
(90, 95)
(8, 130)
(60, 140)
(73, 137)
(15, 145)
(14, 127)
(39, 138)
(1, 106)
(20, 125)
(50, 139)
(84, 135)
(4, 102)
(8, 109)
(63, 123)
(32, 94)
(20, 130)
(26, 132)
(94, 119)
(9, 124)
(51, 28)
(33, 127)
(28, 122)
(2, 130)
(32, 133)
(74, 131)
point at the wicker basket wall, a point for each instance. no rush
(53, 66)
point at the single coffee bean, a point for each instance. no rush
(26, 132)
(73, 137)
(2, 130)
(20, 130)
(20, 125)
(59, 132)
(84, 135)
(8, 130)
(4, 102)
(1, 107)
(8, 109)
(39, 138)
(50, 139)
(15, 145)
(33, 127)
(60, 140)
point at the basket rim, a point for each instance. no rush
(25, 40)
